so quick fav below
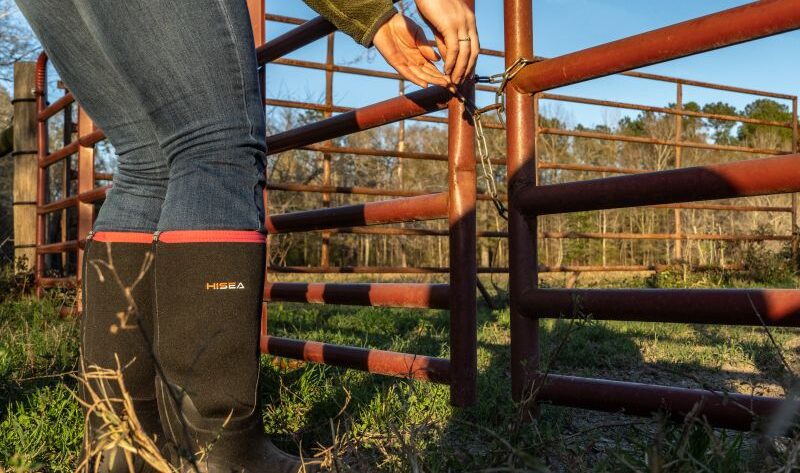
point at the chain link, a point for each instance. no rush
(499, 106)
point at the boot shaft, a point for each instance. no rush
(209, 287)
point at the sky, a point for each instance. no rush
(562, 26)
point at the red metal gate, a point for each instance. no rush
(526, 202)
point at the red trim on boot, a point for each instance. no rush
(212, 236)
(123, 237)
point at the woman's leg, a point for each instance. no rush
(193, 67)
(119, 257)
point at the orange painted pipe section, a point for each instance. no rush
(404, 209)
(404, 365)
(409, 295)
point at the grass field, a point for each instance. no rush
(365, 423)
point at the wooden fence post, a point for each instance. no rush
(25, 162)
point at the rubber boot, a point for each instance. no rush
(118, 305)
(209, 287)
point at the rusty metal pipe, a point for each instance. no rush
(462, 219)
(655, 141)
(778, 175)
(522, 242)
(293, 40)
(726, 410)
(388, 363)
(416, 103)
(778, 307)
(409, 295)
(56, 106)
(726, 28)
(666, 110)
(404, 209)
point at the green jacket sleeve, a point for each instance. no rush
(359, 19)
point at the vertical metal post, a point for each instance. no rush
(65, 181)
(41, 173)
(795, 147)
(85, 184)
(462, 188)
(678, 255)
(401, 147)
(25, 164)
(326, 157)
(521, 165)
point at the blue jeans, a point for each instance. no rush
(174, 86)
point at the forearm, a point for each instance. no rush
(359, 19)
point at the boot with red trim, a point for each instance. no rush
(209, 287)
(117, 324)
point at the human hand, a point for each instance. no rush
(453, 25)
(404, 46)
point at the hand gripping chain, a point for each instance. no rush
(499, 106)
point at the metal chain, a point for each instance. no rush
(499, 106)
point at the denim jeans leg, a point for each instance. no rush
(140, 182)
(193, 68)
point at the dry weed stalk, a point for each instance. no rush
(119, 429)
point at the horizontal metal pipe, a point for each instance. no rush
(778, 307)
(409, 295)
(376, 152)
(484, 270)
(404, 209)
(59, 247)
(726, 410)
(382, 113)
(590, 168)
(409, 231)
(662, 236)
(736, 25)
(706, 85)
(284, 19)
(56, 106)
(57, 205)
(656, 141)
(726, 207)
(293, 40)
(58, 282)
(404, 365)
(359, 71)
(59, 154)
(340, 109)
(672, 111)
(300, 21)
(778, 175)
(627, 268)
(355, 190)
(372, 270)
(103, 176)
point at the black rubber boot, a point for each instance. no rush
(209, 287)
(118, 305)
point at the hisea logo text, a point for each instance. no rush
(215, 286)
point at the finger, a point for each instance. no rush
(404, 70)
(475, 51)
(440, 44)
(460, 67)
(422, 44)
(432, 75)
(451, 51)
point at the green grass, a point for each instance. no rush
(375, 423)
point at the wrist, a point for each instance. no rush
(379, 22)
